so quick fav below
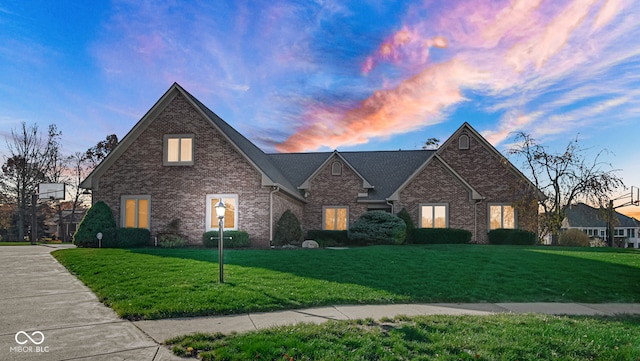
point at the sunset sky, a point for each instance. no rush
(331, 74)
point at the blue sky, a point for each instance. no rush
(326, 74)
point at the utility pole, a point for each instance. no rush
(34, 218)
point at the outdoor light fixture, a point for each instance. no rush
(220, 210)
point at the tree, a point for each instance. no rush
(431, 143)
(98, 152)
(32, 160)
(564, 178)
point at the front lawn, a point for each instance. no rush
(494, 337)
(161, 283)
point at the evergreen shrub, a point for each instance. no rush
(574, 237)
(288, 230)
(404, 215)
(97, 219)
(132, 237)
(329, 238)
(171, 237)
(232, 239)
(512, 237)
(378, 227)
(441, 236)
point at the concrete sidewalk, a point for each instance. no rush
(161, 330)
(48, 314)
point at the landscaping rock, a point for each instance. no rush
(310, 244)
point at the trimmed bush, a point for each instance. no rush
(288, 230)
(404, 215)
(512, 237)
(329, 238)
(232, 239)
(98, 219)
(378, 227)
(441, 236)
(133, 237)
(171, 236)
(574, 237)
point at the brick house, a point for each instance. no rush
(181, 158)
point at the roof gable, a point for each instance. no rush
(584, 216)
(271, 175)
(466, 127)
(306, 183)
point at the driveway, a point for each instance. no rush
(48, 314)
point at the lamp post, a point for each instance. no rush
(220, 209)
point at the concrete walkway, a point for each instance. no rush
(48, 314)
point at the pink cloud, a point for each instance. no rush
(416, 102)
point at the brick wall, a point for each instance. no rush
(180, 191)
(333, 190)
(493, 178)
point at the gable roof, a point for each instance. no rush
(271, 175)
(384, 171)
(584, 216)
(466, 126)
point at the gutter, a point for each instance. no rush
(275, 188)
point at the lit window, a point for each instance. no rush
(135, 211)
(502, 216)
(336, 218)
(433, 216)
(230, 214)
(178, 149)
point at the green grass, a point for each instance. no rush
(495, 337)
(162, 283)
(15, 244)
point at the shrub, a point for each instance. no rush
(574, 237)
(171, 236)
(378, 227)
(232, 239)
(288, 230)
(132, 237)
(441, 236)
(97, 219)
(512, 236)
(404, 215)
(329, 238)
(171, 241)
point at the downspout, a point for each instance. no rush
(475, 219)
(275, 188)
(390, 203)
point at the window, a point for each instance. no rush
(434, 216)
(335, 218)
(502, 216)
(178, 149)
(336, 168)
(463, 142)
(230, 214)
(135, 211)
(619, 232)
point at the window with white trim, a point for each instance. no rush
(335, 218)
(230, 214)
(178, 149)
(434, 215)
(502, 216)
(135, 211)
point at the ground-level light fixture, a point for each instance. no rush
(220, 210)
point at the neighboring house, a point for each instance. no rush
(181, 158)
(69, 224)
(593, 222)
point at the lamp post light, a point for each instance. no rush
(220, 210)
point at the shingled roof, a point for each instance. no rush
(583, 216)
